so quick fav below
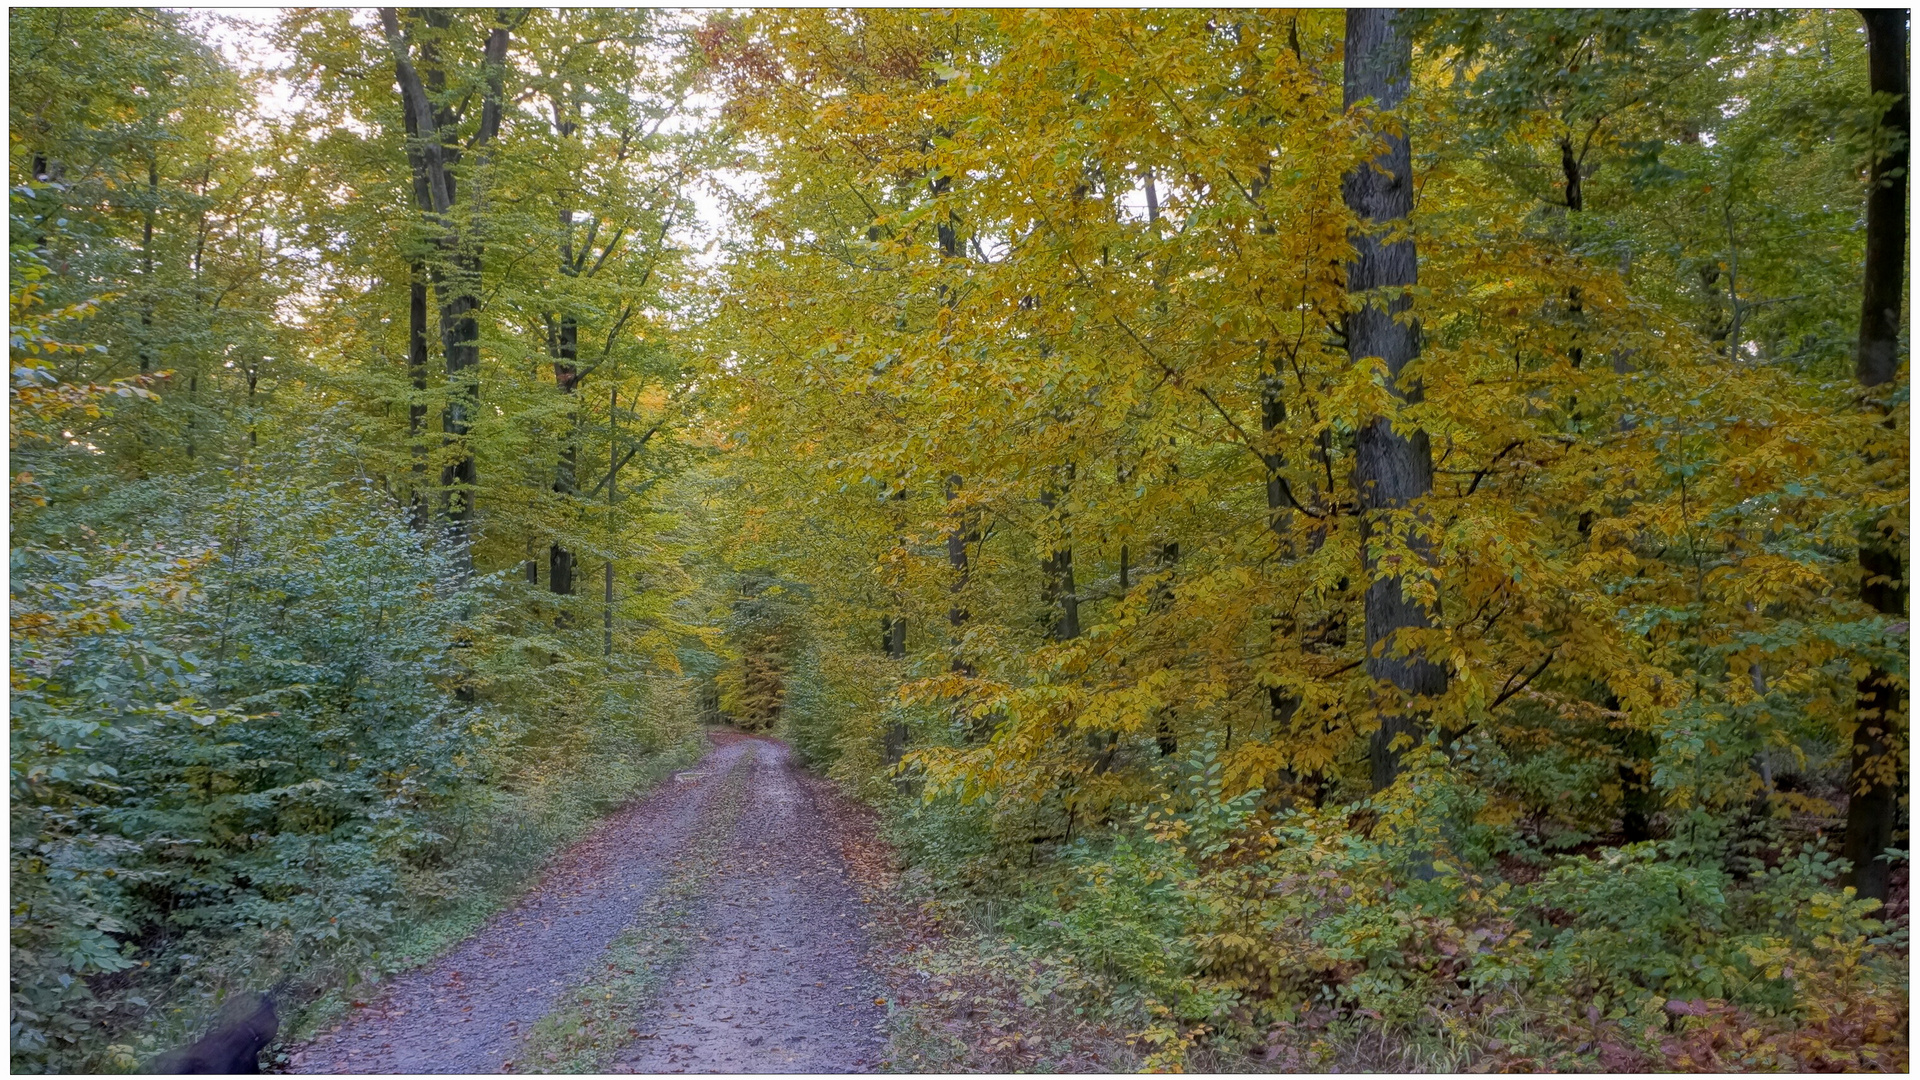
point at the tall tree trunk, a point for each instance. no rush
(1273, 413)
(566, 376)
(1057, 588)
(1880, 727)
(563, 343)
(966, 531)
(418, 353)
(613, 480)
(146, 263)
(893, 641)
(1391, 470)
(1877, 359)
(456, 279)
(417, 377)
(459, 295)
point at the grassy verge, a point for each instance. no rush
(593, 1021)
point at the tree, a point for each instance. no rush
(434, 153)
(1392, 469)
(1873, 810)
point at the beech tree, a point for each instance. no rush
(1874, 771)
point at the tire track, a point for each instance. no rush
(708, 927)
(467, 1012)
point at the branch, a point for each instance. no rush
(1247, 441)
(615, 471)
(413, 97)
(1482, 474)
(1509, 689)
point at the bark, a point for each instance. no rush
(1056, 571)
(893, 639)
(966, 532)
(434, 150)
(1877, 358)
(563, 346)
(1273, 413)
(1570, 171)
(566, 376)
(606, 612)
(417, 377)
(417, 348)
(1166, 556)
(1880, 720)
(146, 265)
(1392, 469)
(560, 573)
(613, 495)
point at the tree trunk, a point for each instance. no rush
(563, 344)
(417, 377)
(1391, 470)
(1273, 413)
(1056, 570)
(433, 151)
(964, 533)
(566, 376)
(560, 574)
(893, 639)
(1880, 719)
(1877, 359)
(613, 480)
(146, 264)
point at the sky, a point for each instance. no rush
(243, 36)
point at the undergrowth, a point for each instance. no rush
(262, 737)
(1388, 936)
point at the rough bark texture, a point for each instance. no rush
(1392, 469)
(563, 347)
(566, 375)
(893, 642)
(1273, 413)
(1873, 810)
(417, 378)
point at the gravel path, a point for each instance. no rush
(773, 981)
(776, 984)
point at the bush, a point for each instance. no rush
(1220, 929)
(250, 743)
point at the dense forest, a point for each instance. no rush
(1308, 526)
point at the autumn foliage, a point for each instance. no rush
(1350, 539)
(1037, 338)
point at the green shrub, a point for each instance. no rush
(251, 742)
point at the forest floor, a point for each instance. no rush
(708, 926)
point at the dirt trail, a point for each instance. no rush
(773, 980)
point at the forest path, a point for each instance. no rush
(708, 926)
